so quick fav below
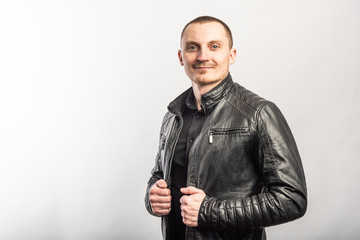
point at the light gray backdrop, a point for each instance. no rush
(84, 86)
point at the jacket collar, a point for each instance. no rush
(208, 100)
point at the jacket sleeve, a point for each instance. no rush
(156, 173)
(283, 197)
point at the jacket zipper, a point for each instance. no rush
(170, 159)
(173, 149)
(211, 137)
(213, 132)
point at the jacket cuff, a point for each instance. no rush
(204, 220)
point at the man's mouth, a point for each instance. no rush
(203, 67)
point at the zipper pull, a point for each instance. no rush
(211, 137)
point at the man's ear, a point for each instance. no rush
(232, 56)
(180, 58)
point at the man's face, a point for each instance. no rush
(205, 53)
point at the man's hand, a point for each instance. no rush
(190, 205)
(160, 198)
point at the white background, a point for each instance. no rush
(84, 86)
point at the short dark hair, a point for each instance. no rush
(205, 19)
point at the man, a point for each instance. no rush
(227, 164)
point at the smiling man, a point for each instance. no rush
(227, 164)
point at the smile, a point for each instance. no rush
(202, 68)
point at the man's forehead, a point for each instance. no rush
(207, 31)
(205, 27)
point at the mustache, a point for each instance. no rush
(201, 65)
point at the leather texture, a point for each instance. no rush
(246, 161)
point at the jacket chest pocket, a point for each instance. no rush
(226, 159)
(216, 133)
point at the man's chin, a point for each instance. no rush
(203, 80)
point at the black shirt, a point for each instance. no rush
(193, 122)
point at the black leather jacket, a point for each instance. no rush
(246, 161)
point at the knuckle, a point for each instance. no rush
(153, 190)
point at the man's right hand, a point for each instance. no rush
(160, 198)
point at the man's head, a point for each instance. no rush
(205, 19)
(206, 50)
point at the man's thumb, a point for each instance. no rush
(161, 183)
(190, 190)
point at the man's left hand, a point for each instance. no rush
(190, 205)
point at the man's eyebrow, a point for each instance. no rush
(191, 43)
(196, 43)
(216, 41)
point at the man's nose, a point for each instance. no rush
(203, 55)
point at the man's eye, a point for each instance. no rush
(215, 46)
(192, 48)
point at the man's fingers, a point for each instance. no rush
(162, 211)
(161, 183)
(160, 199)
(183, 199)
(190, 205)
(159, 205)
(159, 191)
(159, 188)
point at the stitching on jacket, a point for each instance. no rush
(242, 112)
(261, 212)
(242, 207)
(226, 216)
(218, 216)
(242, 100)
(252, 212)
(288, 213)
(235, 223)
(267, 207)
(266, 135)
(277, 210)
(167, 117)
